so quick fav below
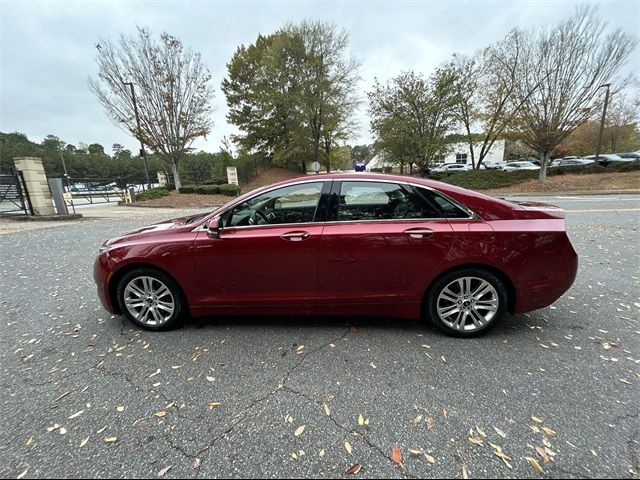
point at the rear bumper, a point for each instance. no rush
(550, 284)
(101, 275)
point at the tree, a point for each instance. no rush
(569, 62)
(173, 95)
(96, 149)
(262, 89)
(361, 153)
(292, 93)
(485, 87)
(328, 84)
(411, 117)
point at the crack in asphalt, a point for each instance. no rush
(246, 412)
(350, 431)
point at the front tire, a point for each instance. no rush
(467, 303)
(150, 299)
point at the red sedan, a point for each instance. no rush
(358, 244)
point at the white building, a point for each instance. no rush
(461, 153)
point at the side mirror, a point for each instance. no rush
(215, 226)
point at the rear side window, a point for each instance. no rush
(444, 207)
(382, 201)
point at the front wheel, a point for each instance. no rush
(467, 303)
(150, 299)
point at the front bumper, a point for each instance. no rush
(102, 275)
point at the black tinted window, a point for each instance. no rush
(381, 201)
(443, 207)
(292, 204)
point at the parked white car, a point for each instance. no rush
(517, 166)
(451, 167)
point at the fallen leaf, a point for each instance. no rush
(63, 431)
(396, 455)
(430, 459)
(30, 441)
(325, 407)
(347, 446)
(160, 414)
(162, 472)
(111, 439)
(213, 405)
(299, 431)
(481, 432)
(196, 463)
(120, 409)
(476, 441)
(101, 430)
(500, 432)
(445, 412)
(23, 473)
(77, 414)
(543, 454)
(415, 452)
(536, 419)
(360, 420)
(430, 422)
(210, 379)
(549, 432)
(465, 472)
(534, 463)
(84, 442)
(322, 452)
(355, 469)
(157, 372)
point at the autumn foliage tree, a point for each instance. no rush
(172, 91)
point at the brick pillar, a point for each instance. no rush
(37, 185)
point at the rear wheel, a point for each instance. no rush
(467, 303)
(150, 299)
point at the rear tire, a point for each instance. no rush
(150, 299)
(467, 302)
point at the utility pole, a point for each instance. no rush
(142, 152)
(604, 116)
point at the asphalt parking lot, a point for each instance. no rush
(88, 395)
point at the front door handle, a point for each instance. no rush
(419, 232)
(295, 236)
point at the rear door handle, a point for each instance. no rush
(419, 232)
(295, 236)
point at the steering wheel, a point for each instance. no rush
(258, 218)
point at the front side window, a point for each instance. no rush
(291, 204)
(461, 158)
(380, 201)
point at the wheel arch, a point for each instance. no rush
(511, 290)
(121, 272)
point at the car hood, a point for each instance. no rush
(157, 229)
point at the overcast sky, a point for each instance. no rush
(47, 48)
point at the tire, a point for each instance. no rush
(481, 295)
(161, 302)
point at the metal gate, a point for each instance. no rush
(14, 198)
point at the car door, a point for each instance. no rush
(381, 244)
(264, 258)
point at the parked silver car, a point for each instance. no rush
(571, 162)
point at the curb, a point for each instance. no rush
(562, 194)
(41, 218)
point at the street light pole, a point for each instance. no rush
(604, 116)
(142, 152)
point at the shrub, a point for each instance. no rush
(377, 170)
(201, 189)
(387, 169)
(152, 194)
(187, 189)
(229, 190)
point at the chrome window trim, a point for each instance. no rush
(471, 213)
